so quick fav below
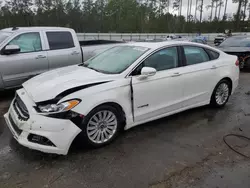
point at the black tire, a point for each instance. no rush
(241, 66)
(84, 133)
(213, 101)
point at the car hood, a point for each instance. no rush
(51, 84)
(234, 49)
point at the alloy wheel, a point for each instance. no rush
(102, 126)
(222, 94)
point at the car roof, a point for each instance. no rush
(156, 45)
(239, 38)
(21, 29)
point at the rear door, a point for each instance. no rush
(63, 50)
(31, 61)
(200, 76)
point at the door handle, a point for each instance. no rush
(40, 57)
(75, 53)
(176, 74)
(214, 67)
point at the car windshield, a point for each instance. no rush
(236, 42)
(115, 60)
(3, 36)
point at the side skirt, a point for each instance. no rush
(167, 114)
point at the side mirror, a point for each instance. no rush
(147, 72)
(11, 49)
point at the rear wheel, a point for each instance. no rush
(221, 93)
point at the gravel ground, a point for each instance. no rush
(182, 151)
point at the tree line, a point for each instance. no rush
(125, 15)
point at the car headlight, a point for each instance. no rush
(61, 107)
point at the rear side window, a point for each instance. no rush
(60, 40)
(195, 55)
(213, 55)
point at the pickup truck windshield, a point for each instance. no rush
(3, 36)
(115, 60)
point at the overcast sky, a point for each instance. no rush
(231, 8)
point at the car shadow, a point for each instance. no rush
(166, 125)
(7, 94)
(245, 70)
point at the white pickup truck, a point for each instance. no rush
(27, 52)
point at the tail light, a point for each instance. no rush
(237, 63)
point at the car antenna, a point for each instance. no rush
(14, 28)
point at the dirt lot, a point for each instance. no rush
(184, 150)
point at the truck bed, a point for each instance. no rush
(98, 42)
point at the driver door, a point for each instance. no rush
(30, 61)
(161, 94)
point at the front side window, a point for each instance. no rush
(163, 59)
(60, 40)
(115, 60)
(195, 55)
(28, 42)
(3, 36)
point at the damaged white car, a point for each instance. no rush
(120, 88)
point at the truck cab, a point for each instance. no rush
(29, 51)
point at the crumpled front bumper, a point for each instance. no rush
(60, 132)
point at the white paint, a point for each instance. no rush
(165, 93)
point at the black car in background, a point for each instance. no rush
(239, 46)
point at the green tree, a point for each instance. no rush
(216, 9)
(248, 8)
(220, 4)
(245, 3)
(177, 6)
(119, 15)
(211, 6)
(196, 7)
(225, 10)
(237, 16)
(201, 9)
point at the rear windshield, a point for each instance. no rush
(236, 42)
(3, 36)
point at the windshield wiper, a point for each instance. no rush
(93, 69)
(83, 65)
(86, 65)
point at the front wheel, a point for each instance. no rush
(101, 126)
(221, 93)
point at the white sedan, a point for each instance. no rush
(120, 88)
